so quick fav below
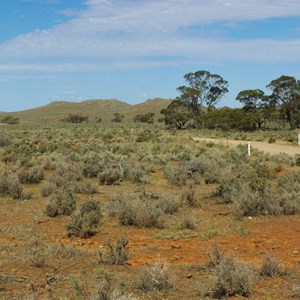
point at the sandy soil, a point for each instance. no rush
(262, 146)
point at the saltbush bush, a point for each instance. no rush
(233, 278)
(60, 203)
(10, 185)
(109, 176)
(33, 174)
(155, 278)
(85, 223)
(136, 212)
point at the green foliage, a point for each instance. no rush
(4, 141)
(230, 119)
(117, 117)
(144, 118)
(256, 102)
(286, 93)
(204, 88)
(177, 114)
(10, 120)
(75, 118)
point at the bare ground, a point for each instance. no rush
(262, 146)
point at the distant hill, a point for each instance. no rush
(104, 109)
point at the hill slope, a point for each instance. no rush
(104, 109)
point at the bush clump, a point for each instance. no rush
(155, 278)
(136, 212)
(271, 267)
(10, 185)
(31, 175)
(61, 203)
(116, 254)
(109, 176)
(86, 221)
(175, 175)
(233, 278)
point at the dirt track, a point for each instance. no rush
(265, 147)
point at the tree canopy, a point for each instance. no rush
(286, 93)
(204, 89)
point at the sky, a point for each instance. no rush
(135, 50)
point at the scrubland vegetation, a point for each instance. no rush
(134, 211)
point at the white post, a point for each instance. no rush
(298, 139)
(249, 149)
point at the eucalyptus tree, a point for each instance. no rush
(286, 94)
(205, 89)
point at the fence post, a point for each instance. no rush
(249, 149)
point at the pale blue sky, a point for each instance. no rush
(134, 50)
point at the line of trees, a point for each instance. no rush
(196, 104)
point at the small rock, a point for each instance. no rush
(176, 247)
(189, 276)
(296, 252)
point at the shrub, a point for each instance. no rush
(134, 173)
(37, 254)
(10, 185)
(92, 168)
(233, 278)
(144, 118)
(169, 204)
(116, 254)
(271, 267)
(75, 118)
(61, 203)
(87, 188)
(136, 212)
(109, 176)
(10, 120)
(69, 171)
(155, 278)
(47, 189)
(175, 176)
(272, 140)
(189, 197)
(31, 175)
(85, 223)
(117, 118)
(215, 257)
(188, 222)
(4, 141)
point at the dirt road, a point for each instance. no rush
(262, 146)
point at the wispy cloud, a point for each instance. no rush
(133, 34)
